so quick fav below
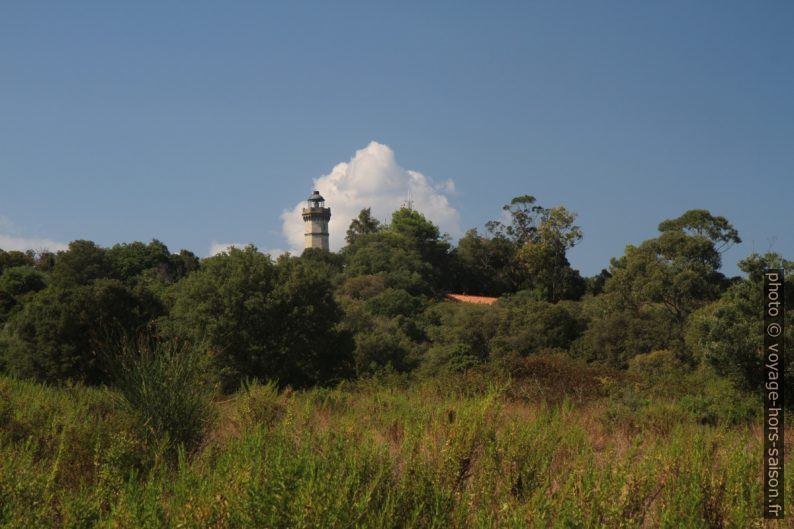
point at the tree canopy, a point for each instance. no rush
(378, 305)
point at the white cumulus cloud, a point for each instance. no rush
(372, 179)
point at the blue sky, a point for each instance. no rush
(202, 123)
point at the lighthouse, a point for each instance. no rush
(315, 219)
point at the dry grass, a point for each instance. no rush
(374, 454)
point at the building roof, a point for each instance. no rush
(465, 298)
(316, 197)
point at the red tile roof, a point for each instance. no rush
(485, 300)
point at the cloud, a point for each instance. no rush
(372, 179)
(7, 243)
(10, 239)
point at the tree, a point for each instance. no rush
(700, 223)
(19, 280)
(383, 346)
(257, 318)
(616, 336)
(15, 258)
(728, 334)
(363, 287)
(460, 336)
(394, 302)
(523, 216)
(332, 263)
(544, 256)
(131, 259)
(410, 252)
(392, 256)
(182, 264)
(71, 333)
(540, 238)
(363, 224)
(45, 261)
(153, 263)
(595, 284)
(481, 265)
(17, 283)
(529, 326)
(425, 237)
(82, 263)
(676, 273)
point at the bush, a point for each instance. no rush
(656, 363)
(164, 385)
(260, 404)
(63, 333)
(461, 335)
(260, 319)
(531, 326)
(552, 375)
(448, 358)
(395, 302)
(615, 336)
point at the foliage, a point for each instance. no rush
(395, 302)
(392, 256)
(462, 451)
(657, 285)
(531, 326)
(132, 259)
(82, 263)
(461, 335)
(363, 287)
(330, 263)
(17, 283)
(728, 334)
(540, 238)
(165, 386)
(702, 224)
(595, 285)
(363, 224)
(482, 265)
(384, 342)
(153, 261)
(615, 336)
(260, 319)
(410, 253)
(14, 258)
(543, 256)
(68, 333)
(423, 235)
(523, 221)
(19, 280)
(259, 404)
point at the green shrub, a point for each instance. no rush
(260, 404)
(165, 386)
(61, 332)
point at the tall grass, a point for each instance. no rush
(165, 385)
(388, 454)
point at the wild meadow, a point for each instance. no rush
(548, 442)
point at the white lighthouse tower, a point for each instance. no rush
(315, 218)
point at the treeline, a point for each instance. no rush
(377, 305)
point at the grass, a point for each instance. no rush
(163, 386)
(472, 450)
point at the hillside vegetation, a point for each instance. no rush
(145, 388)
